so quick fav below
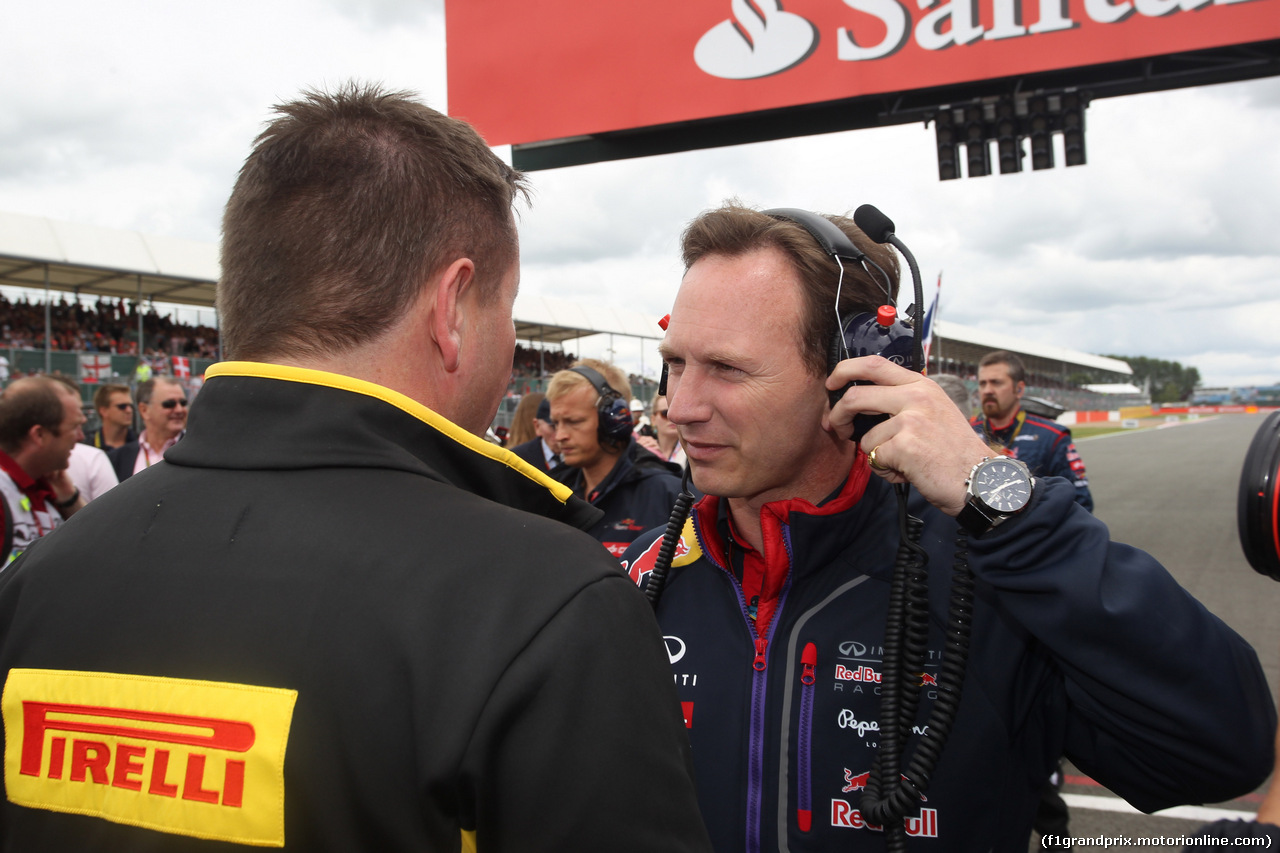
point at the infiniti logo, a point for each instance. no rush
(759, 40)
(675, 648)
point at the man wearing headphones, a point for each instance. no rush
(633, 487)
(814, 712)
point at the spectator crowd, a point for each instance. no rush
(107, 326)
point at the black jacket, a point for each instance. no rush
(531, 452)
(1080, 647)
(340, 619)
(636, 496)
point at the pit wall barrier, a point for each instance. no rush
(1132, 412)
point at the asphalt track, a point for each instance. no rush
(1171, 491)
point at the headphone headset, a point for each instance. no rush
(613, 414)
(842, 250)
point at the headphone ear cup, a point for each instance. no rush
(614, 423)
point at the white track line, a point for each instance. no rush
(1203, 814)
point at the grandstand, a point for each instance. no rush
(120, 267)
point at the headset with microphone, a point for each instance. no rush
(898, 780)
(613, 415)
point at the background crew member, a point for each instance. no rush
(1044, 446)
(115, 412)
(779, 595)
(632, 487)
(40, 421)
(336, 618)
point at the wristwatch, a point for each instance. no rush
(996, 490)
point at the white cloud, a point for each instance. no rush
(137, 115)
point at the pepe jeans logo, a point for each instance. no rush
(760, 40)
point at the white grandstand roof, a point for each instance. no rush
(123, 264)
(105, 261)
(998, 341)
(546, 318)
(91, 260)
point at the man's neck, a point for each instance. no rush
(823, 480)
(113, 435)
(996, 424)
(157, 439)
(593, 475)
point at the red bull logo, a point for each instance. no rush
(643, 564)
(923, 826)
(855, 783)
(862, 673)
(859, 783)
(927, 680)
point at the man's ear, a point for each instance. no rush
(37, 434)
(1022, 386)
(448, 316)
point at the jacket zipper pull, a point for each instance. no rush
(804, 805)
(759, 663)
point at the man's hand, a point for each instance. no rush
(927, 441)
(63, 489)
(649, 443)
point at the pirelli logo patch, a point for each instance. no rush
(197, 758)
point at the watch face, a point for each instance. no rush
(1002, 485)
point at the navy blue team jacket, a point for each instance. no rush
(1080, 647)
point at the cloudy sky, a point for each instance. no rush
(137, 115)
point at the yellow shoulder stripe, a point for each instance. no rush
(406, 404)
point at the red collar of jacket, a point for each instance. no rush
(37, 489)
(764, 575)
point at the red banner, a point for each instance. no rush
(525, 72)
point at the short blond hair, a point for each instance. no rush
(567, 381)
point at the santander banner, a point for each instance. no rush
(525, 71)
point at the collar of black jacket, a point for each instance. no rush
(254, 416)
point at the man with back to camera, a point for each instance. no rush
(632, 487)
(1045, 447)
(40, 422)
(775, 605)
(334, 618)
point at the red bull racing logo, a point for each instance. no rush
(861, 673)
(844, 815)
(643, 565)
(925, 825)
